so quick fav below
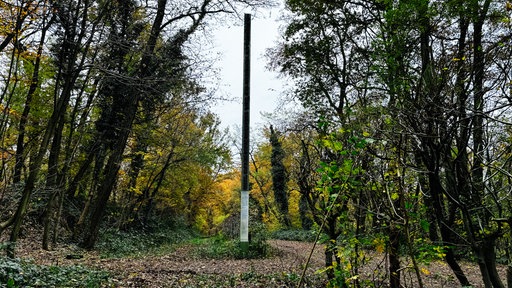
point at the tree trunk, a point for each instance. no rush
(329, 264)
(34, 84)
(52, 182)
(104, 190)
(305, 220)
(332, 261)
(436, 193)
(129, 98)
(159, 180)
(58, 217)
(48, 218)
(23, 13)
(394, 257)
(487, 260)
(509, 275)
(279, 177)
(305, 188)
(36, 164)
(78, 229)
(331, 248)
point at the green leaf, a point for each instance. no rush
(425, 225)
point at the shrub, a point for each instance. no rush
(258, 246)
(20, 273)
(116, 244)
(220, 247)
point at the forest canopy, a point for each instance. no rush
(397, 136)
(105, 115)
(403, 140)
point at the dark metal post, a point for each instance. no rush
(244, 196)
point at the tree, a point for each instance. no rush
(326, 51)
(445, 70)
(127, 99)
(279, 177)
(87, 85)
(13, 21)
(70, 55)
(435, 83)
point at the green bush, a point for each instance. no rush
(220, 247)
(258, 246)
(20, 273)
(136, 243)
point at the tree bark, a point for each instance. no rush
(509, 275)
(106, 186)
(436, 193)
(35, 168)
(394, 257)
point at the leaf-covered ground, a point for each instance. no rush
(185, 268)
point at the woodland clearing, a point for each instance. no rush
(184, 267)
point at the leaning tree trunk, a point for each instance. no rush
(126, 122)
(35, 168)
(446, 233)
(35, 165)
(72, 57)
(106, 186)
(489, 252)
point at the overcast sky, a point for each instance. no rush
(265, 86)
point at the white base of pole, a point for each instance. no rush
(244, 216)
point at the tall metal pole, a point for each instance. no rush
(244, 195)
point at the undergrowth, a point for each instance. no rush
(21, 273)
(220, 247)
(119, 244)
